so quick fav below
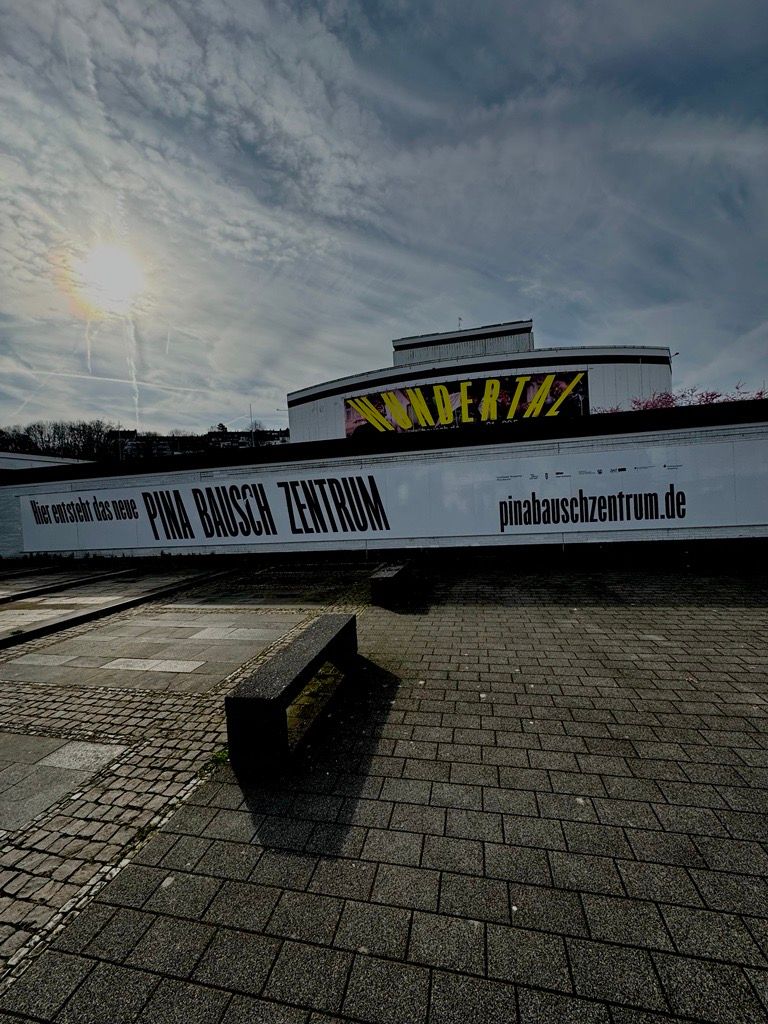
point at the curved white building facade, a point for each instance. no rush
(488, 374)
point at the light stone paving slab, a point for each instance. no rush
(213, 633)
(39, 770)
(231, 633)
(42, 659)
(20, 617)
(159, 638)
(100, 599)
(170, 665)
(251, 633)
(40, 787)
(198, 622)
(132, 664)
(122, 638)
(21, 584)
(153, 665)
(26, 612)
(16, 746)
(83, 756)
(41, 673)
(12, 774)
(208, 619)
(132, 641)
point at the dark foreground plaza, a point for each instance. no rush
(539, 796)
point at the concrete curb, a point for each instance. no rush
(52, 588)
(10, 638)
(22, 572)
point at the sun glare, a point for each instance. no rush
(109, 279)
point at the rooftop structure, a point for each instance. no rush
(24, 460)
(491, 340)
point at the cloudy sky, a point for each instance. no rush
(304, 181)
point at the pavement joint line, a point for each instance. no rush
(431, 969)
(86, 897)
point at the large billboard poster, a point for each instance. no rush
(454, 403)
(492, 494)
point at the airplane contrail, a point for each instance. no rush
(113, 380)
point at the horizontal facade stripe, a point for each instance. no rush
(408, 376)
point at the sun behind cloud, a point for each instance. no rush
(109, 280)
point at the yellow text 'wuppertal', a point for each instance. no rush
(492, 399)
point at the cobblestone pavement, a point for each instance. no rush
(541, 798)
(163, 717)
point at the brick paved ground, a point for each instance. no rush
(542, 799)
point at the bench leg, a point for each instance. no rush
(258, 738)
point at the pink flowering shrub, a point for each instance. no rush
(696, 396)
(692, 396)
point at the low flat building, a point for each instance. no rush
(23, 460)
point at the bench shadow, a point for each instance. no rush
(416, 598)
(318, 803)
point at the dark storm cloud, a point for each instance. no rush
(307, 181)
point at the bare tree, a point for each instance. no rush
(82, 439)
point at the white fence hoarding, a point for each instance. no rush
(600, 489)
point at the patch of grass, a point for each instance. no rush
(143, 833)
(216, 759)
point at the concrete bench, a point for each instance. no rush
(257, 727)
(389, 585)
